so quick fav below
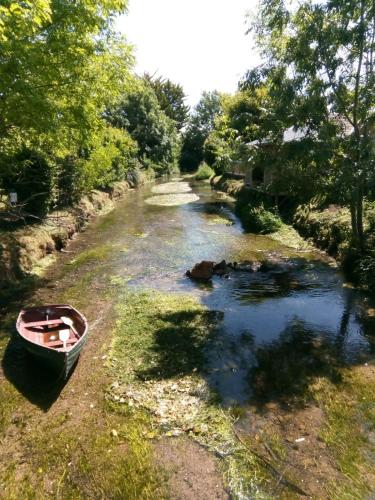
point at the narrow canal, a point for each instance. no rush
(298, 312)
(229, 363)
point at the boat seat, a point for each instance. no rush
(44, 323)
(59, 343)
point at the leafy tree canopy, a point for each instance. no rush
(327, 49)
(171, 97)
(199, 126)
(140, 113)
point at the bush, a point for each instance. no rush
(366, 270)
(330, 228)
(32, 175)
(258, 219)
(204, 172)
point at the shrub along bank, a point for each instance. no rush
(26, 250)
(255, 209)
(329, 228)
(204, 172)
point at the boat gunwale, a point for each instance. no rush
(53, 349)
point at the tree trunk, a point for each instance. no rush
(360, 230)
(356, 212)
(353, 213)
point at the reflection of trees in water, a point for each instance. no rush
(283, 280)
(286, 367)
(345, 320)
(353, 310)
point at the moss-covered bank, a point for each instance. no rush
(30, 248)
(257, 212)
(328, 228)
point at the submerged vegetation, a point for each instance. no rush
(293, 145)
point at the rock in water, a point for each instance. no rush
(249, 266)
(202, 271)
(222, 268)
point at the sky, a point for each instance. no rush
(200, 44)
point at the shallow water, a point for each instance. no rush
(300, 315)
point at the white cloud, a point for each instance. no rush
(200, 44)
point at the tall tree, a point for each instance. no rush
(61, 64)
(328, 48)
(200, 124)
(171, 97)
(140, 114)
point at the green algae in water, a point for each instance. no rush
(91, 255)
(172, 187)
(172, 200)
(216, 221)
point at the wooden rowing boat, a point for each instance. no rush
(54, 334)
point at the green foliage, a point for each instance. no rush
(204, 172)
(140, 114)
(366, 271)
(32, 175)
(110, 156)
(171, 98)
(61, 66)
(333, 85)
(218, 152)
(329, 228)
(200, 124)
(258, 219)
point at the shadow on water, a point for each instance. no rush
(286, 367)
(267, 336)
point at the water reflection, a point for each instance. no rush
(297, 312)
(275, 330)
(286, 366)
(295, 320)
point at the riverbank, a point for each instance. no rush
(328, 229)
(28, 250)
(175, 394)
(283, 233)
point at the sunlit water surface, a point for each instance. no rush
(299, 307)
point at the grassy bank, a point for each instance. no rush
(113, 461)
(29, 249)
(204, 172)
(328, 228)
(257, 213)
(157, 366)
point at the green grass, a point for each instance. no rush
(204, 172)
(9, 401)
(115, 461)
(163, 334)
(99, 253)
(350, 415)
